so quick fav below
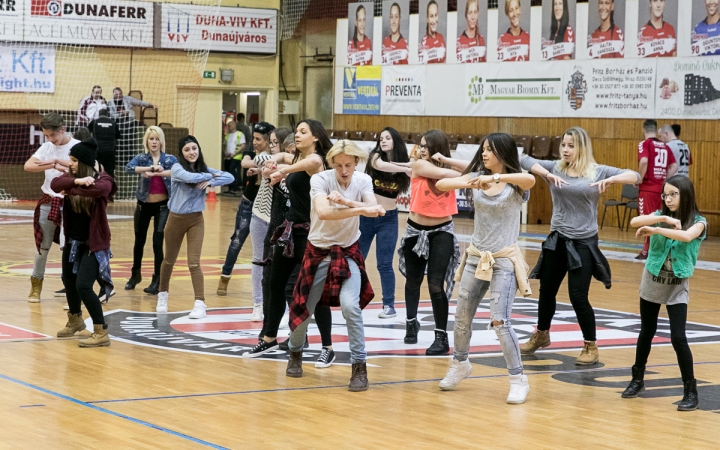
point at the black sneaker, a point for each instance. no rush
(261, 348)
(440, 346)
(60, 293)
(327, 356)
(285, 345)
(412, 327)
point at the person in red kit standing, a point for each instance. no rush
(656, 164)
(395, 46)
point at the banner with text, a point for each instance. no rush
(27, 68)
(403, 90)
(361, 89)
(688, 88)
(222, 29)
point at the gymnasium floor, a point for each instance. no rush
(168, 382)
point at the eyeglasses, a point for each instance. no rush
(669, 196)
(422, 147)
(274, 143)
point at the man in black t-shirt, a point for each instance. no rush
(106, 133)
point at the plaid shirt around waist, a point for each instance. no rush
(54, 216)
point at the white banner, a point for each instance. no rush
(92, 22)
(11, 16)
(403, 90)
(27, 68)
(688, 88)
(223, 29)
(556, 50)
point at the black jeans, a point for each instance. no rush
(441, 251)
(79, 287)
(236, 172)
(648, 326)
(144, 212)
(553, 273)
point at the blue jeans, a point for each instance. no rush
(386, 229)
(502, 294)
(242, 230)
(350, 305)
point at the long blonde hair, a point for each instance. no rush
(583, 162)
(79, 203)
(160, 134)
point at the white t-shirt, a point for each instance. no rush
(345, 232)
(232, 142)
(49, 151)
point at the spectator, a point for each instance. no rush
(245, 130)
(106, 133)
(121, 106)
(90, 106)
(235, 144)
(680, 150)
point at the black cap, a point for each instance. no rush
(263, 128)
(185, 140)
(85, 151)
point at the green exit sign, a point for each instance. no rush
(209, 74)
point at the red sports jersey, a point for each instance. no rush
(659, 158)
(467, 49)
(598, 37)
(508, 40)
(395, 52)
(432, 49)
(648, 33)
(360, 54)
(569, 38)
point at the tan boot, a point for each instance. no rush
(222, 285)
(99, 338)
(589, 354)
(294, 367)
(358, 380)
(539, 339)
(75, 323)
(35, 289)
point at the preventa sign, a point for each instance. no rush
(27, 68)
(91, 22)
(222, 29)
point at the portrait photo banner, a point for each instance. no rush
(360, 31)
(395, 32)
(403, 90)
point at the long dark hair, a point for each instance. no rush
(504, 148)
(557, 30)
(199, 165)
(357, 11)
(81, 204)
(398, 154)
(688, 207)
(427, 12)
(323, 144)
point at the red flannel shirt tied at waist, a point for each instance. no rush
(54, 215)
(338, 272)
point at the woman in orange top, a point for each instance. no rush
(429, 241)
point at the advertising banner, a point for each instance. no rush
(11, 16)
(606, 20)
(221, 29)
(92, 22)
(361, 90)
(403, 90)
(395, 32)
(27, 68)
(688, 88)
(558, 29)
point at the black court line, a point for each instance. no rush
(381, 383)
(112, 413)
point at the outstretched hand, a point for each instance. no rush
(556, 180)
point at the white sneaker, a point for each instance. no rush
(519, 388)
(285, 321)
(103, 298)
(458, 371)
(257, 314)
(162, 303)
(388, 312)
(198, 311)
(66, 307)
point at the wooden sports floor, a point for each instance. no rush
(169, 382)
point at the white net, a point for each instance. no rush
(159, 86)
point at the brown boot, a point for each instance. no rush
(74, 324)
(294, 367)
(35, 289)
(589, 354)
(358, 380)
(539, 339)
(222, 285)
(99, 338)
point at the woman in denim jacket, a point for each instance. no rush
(153, 193)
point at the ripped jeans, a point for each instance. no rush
(502, 293)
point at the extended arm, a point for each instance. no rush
(679, 235)
(325, 211)
(220, 178)
(455, 163)
(247, 162)
(368, 200)
(389, 167)
(184, 176)
(626, 177)
(422, 168)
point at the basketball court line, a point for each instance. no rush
(112, 413)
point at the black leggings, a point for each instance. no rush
(648, 326)
(143, 213)
(279, 286)
(441, 251)
(554, 268)
(79, 287)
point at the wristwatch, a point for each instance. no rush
(496, 177)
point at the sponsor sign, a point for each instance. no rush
(27, 68)
(92, 22)
(223, 29)
(361, 90)
(11, 14)
(403, 90)
(688, 88)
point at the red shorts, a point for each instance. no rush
(649, 202)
